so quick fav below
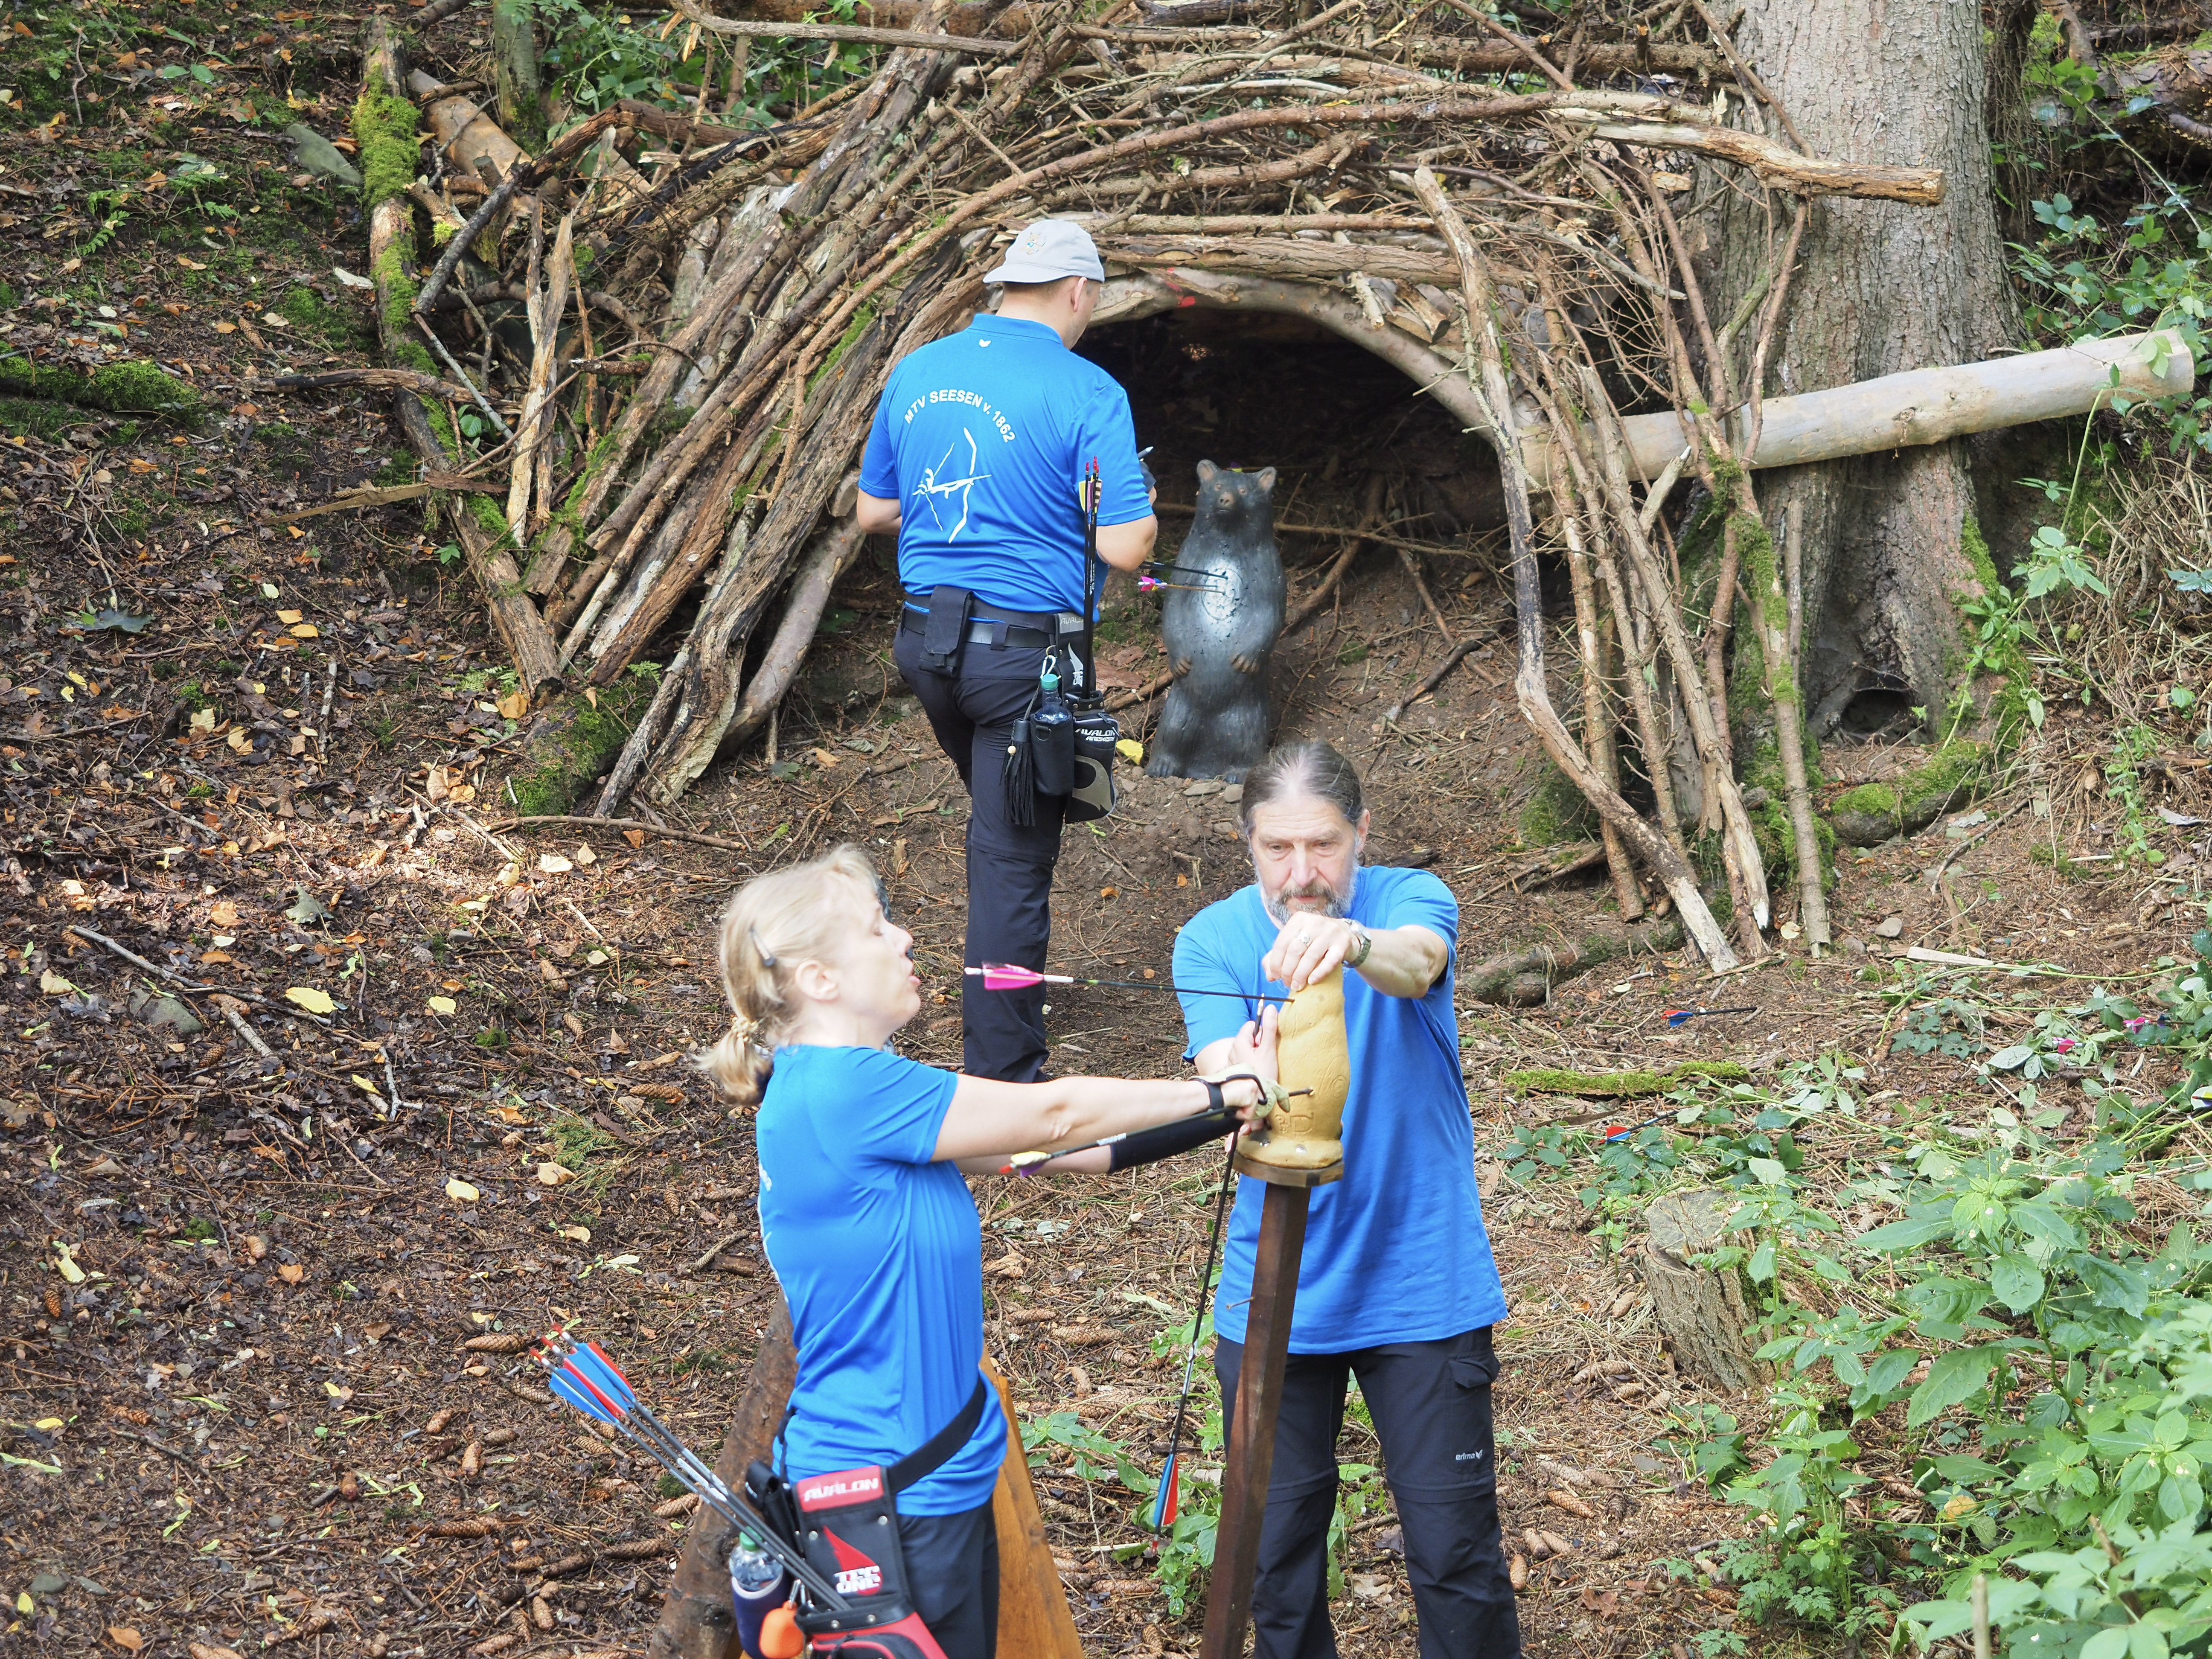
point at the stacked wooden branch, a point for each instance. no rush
(1453, 202)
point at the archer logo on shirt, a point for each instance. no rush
(938, 485)
(856, 1574)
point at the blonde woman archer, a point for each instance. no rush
(892, 1447)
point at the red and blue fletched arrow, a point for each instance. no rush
(588, 1380)
(1167, 1496)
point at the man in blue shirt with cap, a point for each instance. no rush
(977, 461)
(1396, 1283)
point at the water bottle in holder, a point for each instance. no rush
(758, 1586)
(1052, 737)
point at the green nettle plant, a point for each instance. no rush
(2035, 1343)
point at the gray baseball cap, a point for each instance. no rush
(1047, 251)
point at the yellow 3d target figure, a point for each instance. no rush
(1303, 1131)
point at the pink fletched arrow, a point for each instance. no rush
(1005, 976)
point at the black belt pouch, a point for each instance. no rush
(945, 632)
(1091, 790)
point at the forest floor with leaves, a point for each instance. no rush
(260, 1311)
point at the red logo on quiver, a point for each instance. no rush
(857, 1574)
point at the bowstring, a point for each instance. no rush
(1204, 1290)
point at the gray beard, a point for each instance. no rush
(1279, 913)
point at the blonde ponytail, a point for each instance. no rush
(775, 922)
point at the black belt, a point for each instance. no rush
(997, 629)
(934, 1453)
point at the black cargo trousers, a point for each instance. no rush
(1430, 1403)
(1009, 866)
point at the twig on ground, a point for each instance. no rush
(176, 980)
(670, 832)
(229, 1009)
(714, 1250)
(1933, 876)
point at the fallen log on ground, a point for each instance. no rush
(1524, 978)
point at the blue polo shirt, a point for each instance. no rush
(880, 1255)
(1395, 1251)
(983, 438)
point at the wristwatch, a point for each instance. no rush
(1357, 957)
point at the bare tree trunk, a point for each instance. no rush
(696, 1619)
(1880, 287)
(514, 59)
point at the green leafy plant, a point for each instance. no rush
(2132, 746)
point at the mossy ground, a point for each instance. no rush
(35, 417)
(1621, 1085)
(574, 742)
(316, 319)
(1557, 812)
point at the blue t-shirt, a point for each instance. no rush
(1395, 1251)
(983, 438)
(880, 1254)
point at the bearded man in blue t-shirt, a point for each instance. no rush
(1396, 1285)
(976, 460)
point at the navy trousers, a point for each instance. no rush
(1430, 1403)
(1009, 866)
(952, 1564)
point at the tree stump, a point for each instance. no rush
(1706, 1314)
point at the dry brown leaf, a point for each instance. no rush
(209, 1650)
(551, 1174)
(223, 914)
(125, 1637)
(291, 1273)
(635, 837)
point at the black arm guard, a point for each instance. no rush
(1166, 1139)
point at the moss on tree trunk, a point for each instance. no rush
(572, 744)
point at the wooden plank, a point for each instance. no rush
(1259, 1401)
(1034, 1620)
